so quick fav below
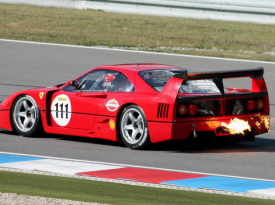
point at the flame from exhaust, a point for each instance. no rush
(264, 120)
(237, 126)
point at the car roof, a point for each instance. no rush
(139, 67)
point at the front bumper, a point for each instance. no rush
(5, 120)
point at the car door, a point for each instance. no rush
(76, 107)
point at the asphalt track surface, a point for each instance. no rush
(27, 65)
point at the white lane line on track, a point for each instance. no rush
(144, 167)
(267, 192)
(137, 51)
(59, 166)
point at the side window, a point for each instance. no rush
(122, 84)
(96, 81)
(102, 80)
(72, 88)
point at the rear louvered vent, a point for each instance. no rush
(163, 110)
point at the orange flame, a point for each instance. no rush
(237, 126)
(264, 120)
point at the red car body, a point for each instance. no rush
(98, 114)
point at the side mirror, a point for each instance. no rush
(73, 83)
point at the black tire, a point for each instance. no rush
(133, 128)
(25, 116)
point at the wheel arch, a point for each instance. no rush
(13, 104)
(118, 119)
(119, 115)
(11, 108)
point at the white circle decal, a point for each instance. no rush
(61, 110)
(112, 105)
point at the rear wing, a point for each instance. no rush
(217, 76)
(169, 95)
(256, 73)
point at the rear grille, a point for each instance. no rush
(163, 110)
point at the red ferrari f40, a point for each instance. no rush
(141, 104)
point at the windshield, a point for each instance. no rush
(158, 78)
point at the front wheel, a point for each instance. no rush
(134, 128)
(26, 118)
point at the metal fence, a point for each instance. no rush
(229, 10)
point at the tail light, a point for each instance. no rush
(260, 104)
(192, 109)
(200, 108)
(251, 105)
(182, 109)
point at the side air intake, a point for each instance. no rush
(163, 110)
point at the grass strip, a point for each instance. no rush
(111, 193)
(144, 32)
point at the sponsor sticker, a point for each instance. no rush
(112, 124)
(41, 95)
(62, 99)
(112, 105)
(61, 110)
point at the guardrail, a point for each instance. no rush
(229, 10)
(55, 3)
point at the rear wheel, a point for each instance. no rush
(134, 128)
(26, 118)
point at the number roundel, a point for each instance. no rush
(61, 110)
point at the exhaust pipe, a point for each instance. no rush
(221, 130)
(194, 131)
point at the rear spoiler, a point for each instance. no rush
(218, 76)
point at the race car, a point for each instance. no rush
(140, 104)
